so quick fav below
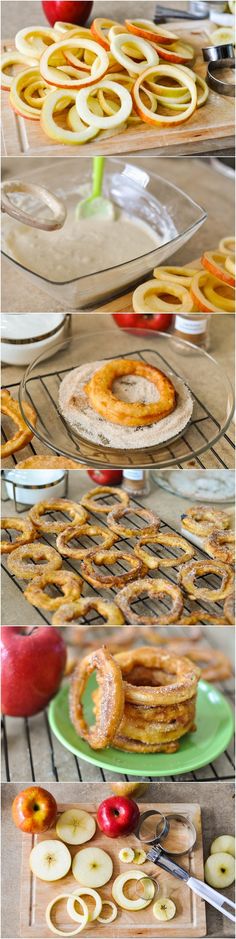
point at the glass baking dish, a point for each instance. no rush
(171, 213)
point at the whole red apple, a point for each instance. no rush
(34, 810)
(32, 668)
(67, 11)
(118, 816)
(106, 477)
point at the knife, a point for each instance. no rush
(158, 857)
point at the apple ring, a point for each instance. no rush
(184, 674)
(99, 27)
(17, 94)
(152, 561)
(61, 134)
(13, 58)
(154, 732)
(53, 76)
(90, 503)
(69, 583)
(193, 569)
(102, 399)
(23, 435)
(78, 515)
(201, 520)
(105, 122)
(25, 562)
(101, 557)
(157, 295)
(201, 618)
(82, 923)
(169, 71)
(177, 275)
(75, 897)
(216, 546)
(137, 746)
(71, 613)
(91, 531)
(17, 524)
(227, 245)
(150, 55)
(113, 914)
(45, 461)
(214, 262)
(150, 31)
(214, 665)
(229, 609)
(126, 532)
(162, 715)
(218, 293)
(111, 705)
(159, 589)
(201, 283)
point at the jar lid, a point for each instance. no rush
(23, 326)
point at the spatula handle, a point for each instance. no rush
(213, 897)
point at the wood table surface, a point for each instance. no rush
(217, 805)
(200, 180)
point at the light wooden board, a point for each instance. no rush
(214, 121)
(190, 919)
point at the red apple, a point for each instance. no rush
(33, 663)
(106, 477)
(67, 11)
(138, 322)
(118, 816)
(34, 810)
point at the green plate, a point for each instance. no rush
(214, 731)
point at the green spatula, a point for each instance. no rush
(95, 205)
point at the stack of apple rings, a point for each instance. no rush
(100, 80)
(184, 289)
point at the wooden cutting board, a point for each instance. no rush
(190, 919)
(214, 121)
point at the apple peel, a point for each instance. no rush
(61, 932)
(105, 122)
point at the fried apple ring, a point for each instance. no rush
(154, 732)
(89, 499)
(154, 588)
(102, 399)
(229, 609)
(23, 435)
(201, 618)
(91, 530)
(45, 461)
(119, 512)
(77, 514)
(110, 580)
(111, 706)
(136, 746)
(185, 676)
(201, 520)
(69, 582)
(189, 572)
(214, 665)
(14, 523)
(143, 714)
(17, 562)
(216, 546)
(152, 561)
(70, 613)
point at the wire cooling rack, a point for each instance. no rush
(145, 605)
(30, 752)
(204, 442)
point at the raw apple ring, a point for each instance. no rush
(150, 56)
(68, 534)
(23, 435)
(171, 71)
(75, 896)
(155, 589)
(71, 613)
(201, 520)
(127, 531)
(23, 525)
(202, 281)
(113, 914)
(227, 245)
(101, 557)
(175, 275)
(13, 58)
(69, 583)
(100, 27)
(178, 52)
(214, 262)
(220, 295)
(98, 68)
(193, 569)
(90, 503)
(157, 295)
(122, 899)
(111, 703)
(77, 513)
(25, 562)
(34, 40)
(17, 94)
(150, 31)
(102, 399)
(152, 561)
(61, 134)
(87, 115)
(60, 932)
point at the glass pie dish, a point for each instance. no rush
(172, 215)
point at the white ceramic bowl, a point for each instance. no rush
(24, 336)
(32, 486)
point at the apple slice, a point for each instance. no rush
(50, 860)
(225, 843)
(118, 891)
(220, 870)
(75, 826)
(126, 855)
(92, 867)
(164, 909)
(75, 897)
(60, 932)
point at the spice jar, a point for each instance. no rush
(193, 327)
(136, 482)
